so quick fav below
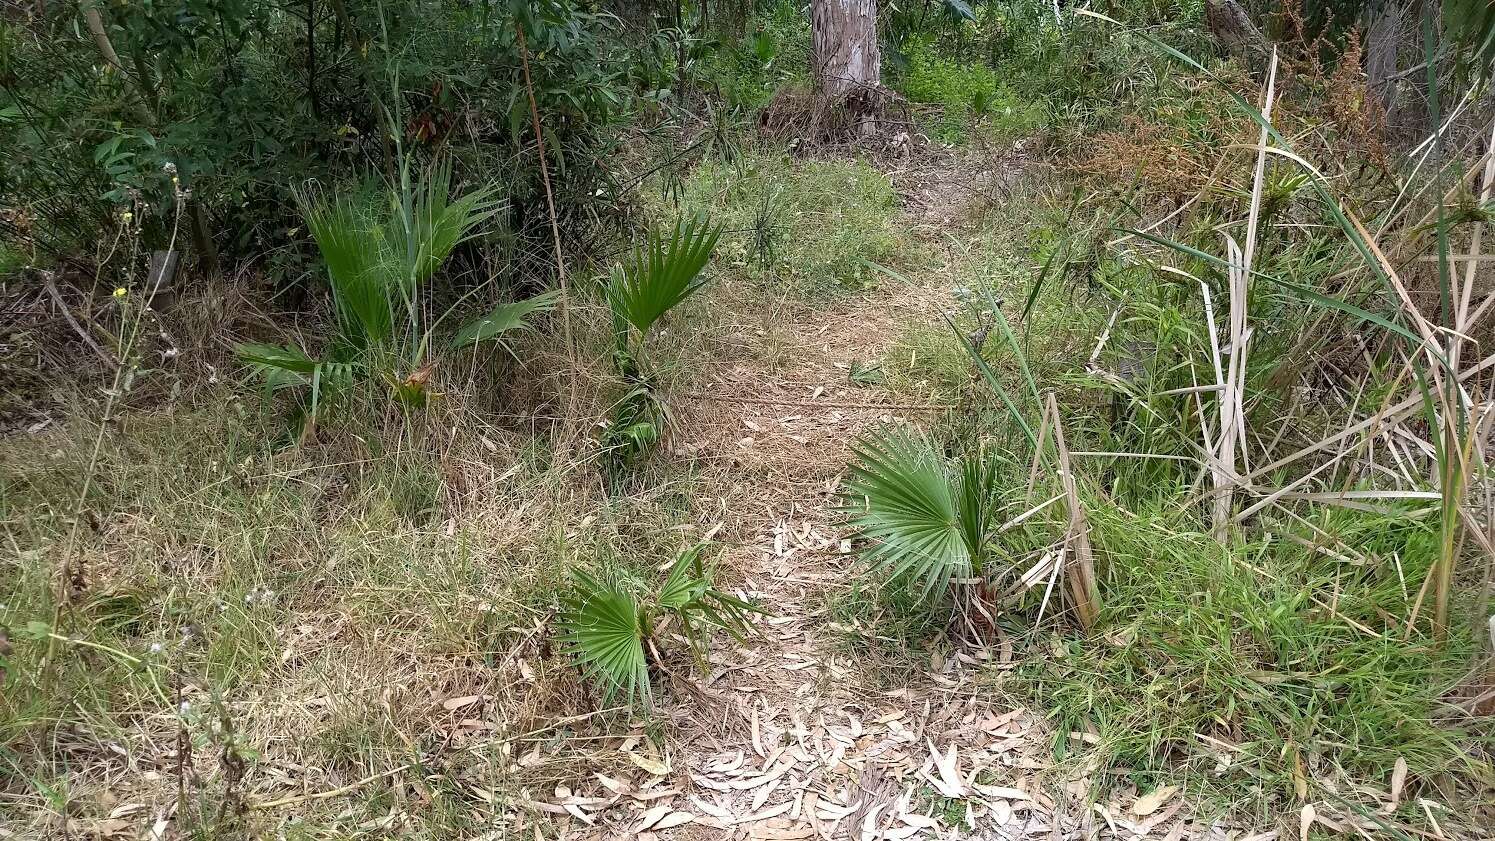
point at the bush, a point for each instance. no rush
(970, 96)
(246, 101)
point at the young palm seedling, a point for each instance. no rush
(926, 521)
(379, 256)
(613, 630)
(655, 279)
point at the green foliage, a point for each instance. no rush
(505, 319)
(773, 53)
(658, 276)
(829, 219)
(1469, 26)
(379, 257)
(606, 635)
(1289, 655)
(925, 520)
(245, 99)
(970, 97)
(637, 422)
(610, 625)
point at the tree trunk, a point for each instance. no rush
(1382, 35)
(845, 58)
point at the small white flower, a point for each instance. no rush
(186, 707)
(157, 648)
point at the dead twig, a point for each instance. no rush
(49, 283)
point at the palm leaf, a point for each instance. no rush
(288, 366)
(901, 499)
(427, 224)
(281, 366)
(685, 582)
(689, 593)
(360, 266)
(659, 276)
(505, 318)
(605, 633)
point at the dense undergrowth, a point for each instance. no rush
(294, 555)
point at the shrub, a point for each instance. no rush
(381, 247)
(970, 97)
(246, 100)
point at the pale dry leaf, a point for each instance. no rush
(614, 785)
(869, 823)
(770, 812)
(762, 794)
(651, 817)
(1003, 792)
(457, 703)
(673, 820)
(711, 809)
(1398, 782)
(1149, 803)
(1305, 821)
(948, 764)
(654, 766)
(754, 782)
(707, 782)
(775, 833)
(656, 794)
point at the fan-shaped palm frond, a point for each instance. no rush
(360, 265)
(923, 523)
(658, 276)
(608, 627)
(605, 632)
(505, 318)
(689, 592)
(377, 256)
(427, 224)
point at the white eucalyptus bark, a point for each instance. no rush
(845, 54)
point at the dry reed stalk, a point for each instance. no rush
(1231, 406)
(1079, 572)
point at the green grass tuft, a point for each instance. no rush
(1252, 669)
(812, 225)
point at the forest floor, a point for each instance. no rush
(357, 637)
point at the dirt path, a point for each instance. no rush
(797, 734)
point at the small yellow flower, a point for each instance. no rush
(119, 292)
(126, 216)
